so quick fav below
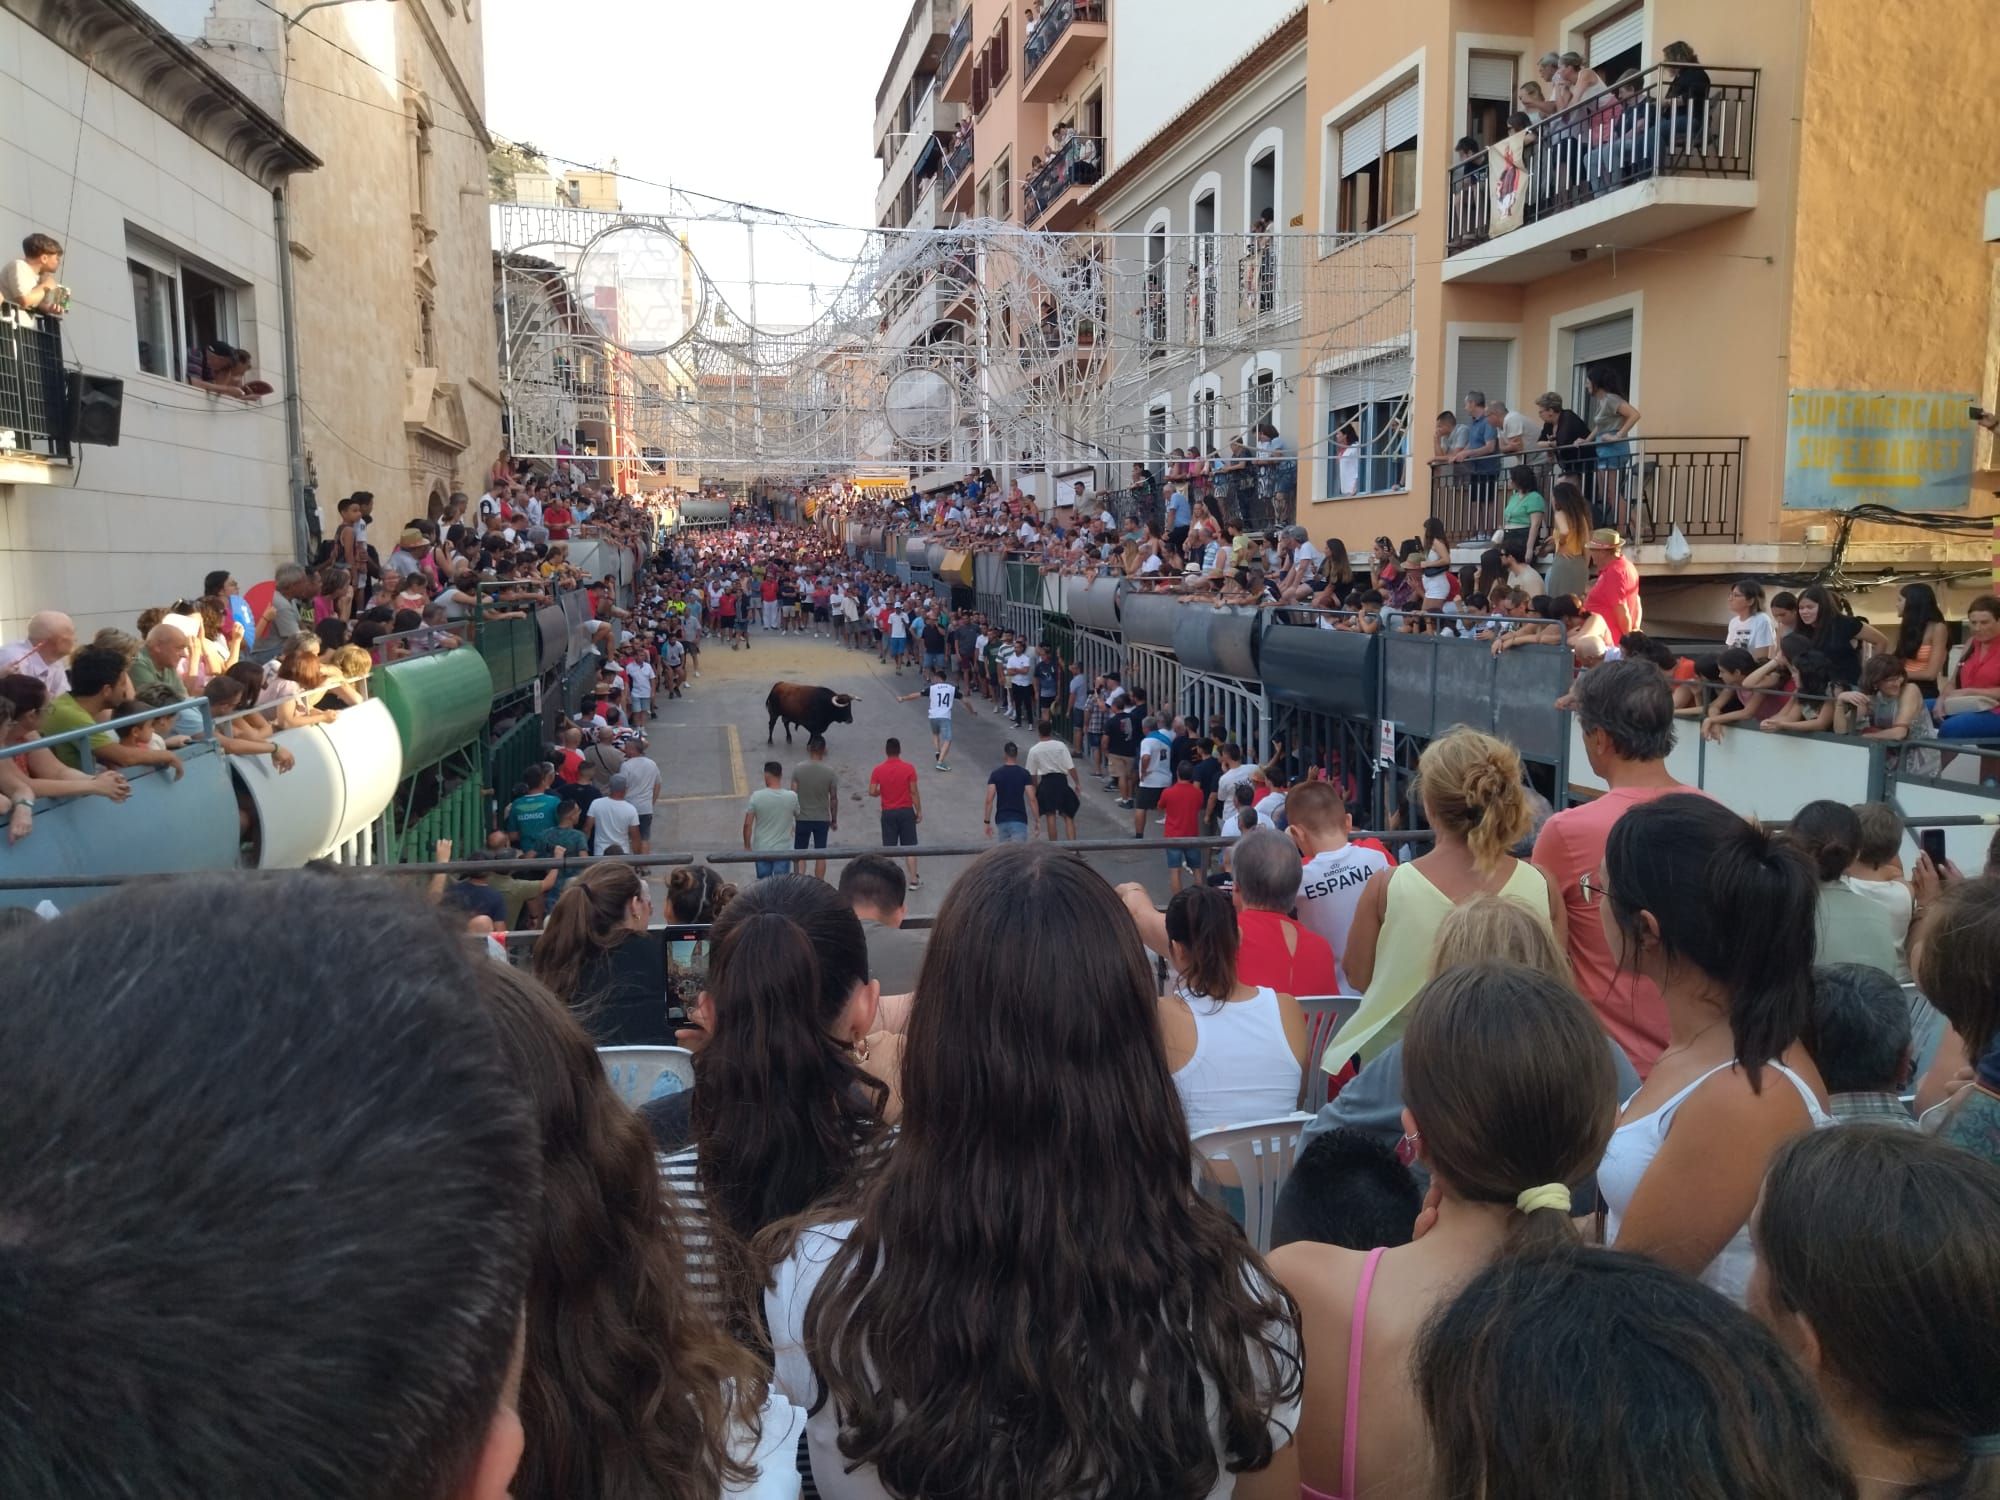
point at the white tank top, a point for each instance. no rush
(1243, 1066)
(1632, 1149)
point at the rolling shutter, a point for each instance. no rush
(1491, 77)
(1400, 119)
(1595, 341)
(1378, 380)
(1614, 37)
(1482, 366)
(1360, 142)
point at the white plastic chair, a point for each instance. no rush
(1260, 1155)
(1325, 1015)
(643, 1073)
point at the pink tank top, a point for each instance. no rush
(1350, 1427)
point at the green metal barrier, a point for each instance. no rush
(458, 815)
(512, 651)
(439, 702)
(1024, 583)
(512, 752)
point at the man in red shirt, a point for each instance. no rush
(558, 518)
(1626, 712)
(1182, 803)
(1614, 595)
(894, 784)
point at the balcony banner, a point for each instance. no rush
(1911, 450)
(1507, 182)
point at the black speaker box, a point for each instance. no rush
(96, 406)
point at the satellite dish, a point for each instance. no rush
(921, 407)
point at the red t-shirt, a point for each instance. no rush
(1614, 597)
(1182, 803)
(898, 780)
(1569, 847)
(1276, 951)
(770, 590)
(572, 766)
(558, 519)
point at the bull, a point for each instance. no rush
(809, 708)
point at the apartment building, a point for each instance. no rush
(165, 186)
(1776, 261)
(1207, 282)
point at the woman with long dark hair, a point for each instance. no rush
(1923, 638)
(1878, 1266)
(1236, 1050)
(1509, 1095)
(1750, 627)
(1720, 915)
(627, 1388)
(1836, 634)
(1030, 1298)
(1568, 570)
(1437, 566)
(594, 951)
(1587, 1373)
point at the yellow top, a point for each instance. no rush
(1403, 952)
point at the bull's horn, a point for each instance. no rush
(843, 699)
(850, 697)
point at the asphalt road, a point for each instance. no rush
(710, 747)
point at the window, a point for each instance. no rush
(1154, 311)
(1377, 157)
(990, 72)
(1482, 366)
(1157, 417)
(1205, 397)
(1606, 345)
(1489, 96)
(1614, 45)
(1367, 429)
(178, 308)
(1201, 298)
(1263, 398)
(1003, 185)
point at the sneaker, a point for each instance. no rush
(916, 882)
(1126, 802)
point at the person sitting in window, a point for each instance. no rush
(221, 369)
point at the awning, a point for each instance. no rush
(931, 150)
(879, 482)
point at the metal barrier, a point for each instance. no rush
(33, 407)
(1157, 674)
(1229, 709)
(1099, 654)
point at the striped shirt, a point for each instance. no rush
(678, 1174)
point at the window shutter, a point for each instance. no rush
(1482, 366)
(1399, 119)
(1378, 380)
(1491, 77)
(1595, 341)
(1360, 142)
(1614, 37)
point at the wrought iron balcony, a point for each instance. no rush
(1079, 160)
(1644, 487)
(957, 44)
(1689, 134)
(33, 405)
(1045, 39)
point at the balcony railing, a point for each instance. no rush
(1080, 160)
(1644, 487)
(1663, 122)
(956, 161)
(32, 402)
(1057, 19)
(956, 44)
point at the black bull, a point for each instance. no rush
(809, 708)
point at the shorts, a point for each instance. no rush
(1438, 588)
(942, 729)
(820, 613)
(934, 661)
(1184, 859)
(766, 868)
(1011, 832)
(897, 645)
(1054, 795)
(810, 833)
(1092, 738)
(899, 827)
(645, 825)
(1121, 765)
(1149, 797)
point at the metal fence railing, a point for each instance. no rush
(33, 405)
(1644, 486)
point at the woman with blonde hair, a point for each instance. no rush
(1492, 928)
(1470, 787)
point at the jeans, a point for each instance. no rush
(1010, 832)
(1981, 724)
(766, 868)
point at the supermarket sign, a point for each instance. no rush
(1908, 449)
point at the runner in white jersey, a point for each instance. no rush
(1336, 871)
(941, 698)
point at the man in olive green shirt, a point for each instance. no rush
(819, 801)
(159, 660)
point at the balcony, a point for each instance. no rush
(1046, 194)
(955, 178)
(32, 399)
(956, 68)
(1054, 51)
(1654, 486)
(1618, 170)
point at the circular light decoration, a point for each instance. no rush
(641, 288)
(921, 407)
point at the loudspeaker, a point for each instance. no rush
(96, 406)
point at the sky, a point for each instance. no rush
(771, 102)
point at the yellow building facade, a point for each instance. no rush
(1808, 225)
